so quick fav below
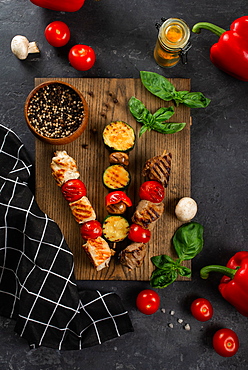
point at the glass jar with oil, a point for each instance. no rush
(172, 42)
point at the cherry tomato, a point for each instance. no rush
(138, 234)
(201, 309)
(91, 229)
(82, 57)
(152, 191)
(73, 190)
(148, 301)
(57, 33)
(226, 342)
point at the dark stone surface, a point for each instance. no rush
(123, 35)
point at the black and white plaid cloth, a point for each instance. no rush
(37, 284)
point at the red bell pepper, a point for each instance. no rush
(230, 53)
(234, 284)
(116, 197)
(60, 5)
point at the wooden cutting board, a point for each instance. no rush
(107, 100)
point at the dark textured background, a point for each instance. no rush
(123, 35)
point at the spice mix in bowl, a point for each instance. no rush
(56, 112)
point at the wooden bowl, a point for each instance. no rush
(43, 126)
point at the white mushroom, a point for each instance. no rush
(21, 47)
(186, 209)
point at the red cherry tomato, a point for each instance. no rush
(226, 342)
(201, 309)
(73, 190)
(148, 301)
(57, 33)
(152, 191)
(91, 229)
(82, 57)
(138, 234)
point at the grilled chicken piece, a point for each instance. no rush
(158, 168)
(147, 213)
(63, 167)
(133, 255)
(98, 252)
(82, 210)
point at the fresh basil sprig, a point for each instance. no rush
(160, 86)
(154, 121)
(188, 242)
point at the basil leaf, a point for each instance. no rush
(163, 114)
(154, 121)
(184, 271)
(179, 97)
(161, 278)
(195, 100)
(188, 240)
(168, 127)
(143, 129)
(141, 114)
(162, 260)
(148, 119)
(137, 108)
(158, 85)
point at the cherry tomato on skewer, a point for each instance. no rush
(138, 234)
(91, 229)
(152, 191)
(73, 190)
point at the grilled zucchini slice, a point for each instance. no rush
(116, 177)
(119, 136)
(115, 228)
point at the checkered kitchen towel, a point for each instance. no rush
(37, 285)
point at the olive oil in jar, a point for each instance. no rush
(172, 42)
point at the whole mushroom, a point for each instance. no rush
(186, 209)
(21, 47)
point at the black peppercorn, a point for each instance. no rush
(56, 111)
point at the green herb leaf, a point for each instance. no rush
(161, 278)
(154, 121)
(168, 127)
(137, 108)
(195, 100)
(188, 240)
(162, 260)
(143, 130)
(163, 114)
(161, 87)
(184, 271)
(158, 85)
(179, 97)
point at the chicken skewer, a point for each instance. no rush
(64, 169)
